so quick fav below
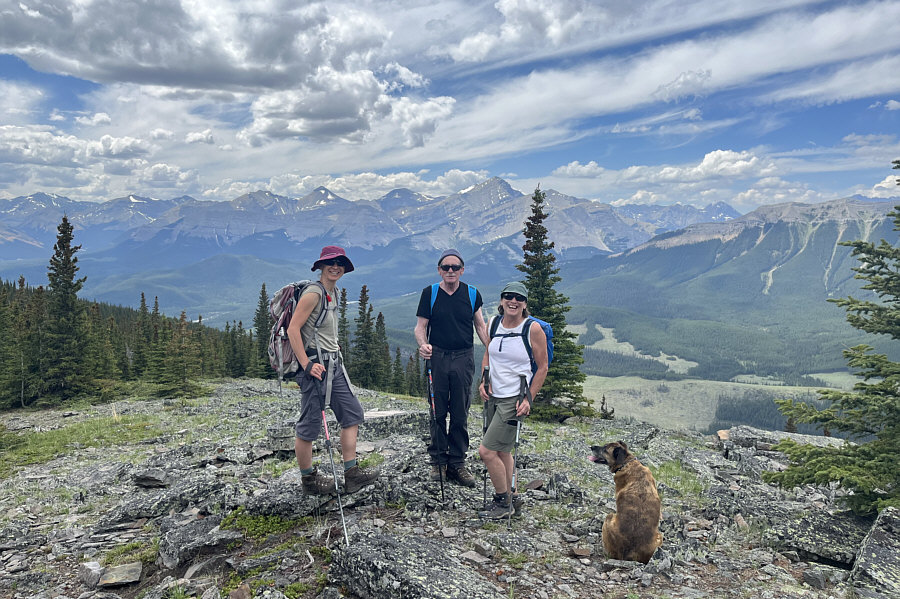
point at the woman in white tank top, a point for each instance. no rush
(505, 399)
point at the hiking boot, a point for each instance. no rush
(499, 508)
(356, 478)
(438, 472)
(317, 484)
(461, 475)
(517, 502)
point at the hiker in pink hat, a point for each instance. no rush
(323, 379)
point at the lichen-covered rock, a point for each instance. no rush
(180, 542)
(191, 489)
(285, 498)
(380, 424)
(877, 566)
(828, 537)
(747, 436)
(386, 567)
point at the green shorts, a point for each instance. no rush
(500, 434)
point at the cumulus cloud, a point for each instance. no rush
(100, 118)
(200, 137)
(418, 120)
(892, 105)
(888, 188)
(160, 133)
(162, 175)
(576, 169)
(18, 101)
(688, 83)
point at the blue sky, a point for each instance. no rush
(646, 101)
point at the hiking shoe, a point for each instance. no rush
(461, 475)
(517, 502)
(356, 478)
(499, 508)
(438, 472)
(317, 484)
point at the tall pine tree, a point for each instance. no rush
(66, 373)
(870, 414)
(561, 395)
(262, 322)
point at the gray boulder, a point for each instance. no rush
(877, 566)
(180, 542)
(386, 567)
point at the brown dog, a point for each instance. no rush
(632, 533)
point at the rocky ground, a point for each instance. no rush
(173, 499)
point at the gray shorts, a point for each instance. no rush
(500, 434)
(344, 404)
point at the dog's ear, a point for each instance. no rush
(622, 443)
(619, 454)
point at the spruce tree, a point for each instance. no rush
(870, 414)
(398, 381)
(362, 362)
(381, 358)
(561, 395)
(262, 322)
(66, 373)
(143, 339)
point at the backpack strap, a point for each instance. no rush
(526, 337)
(473, 295)
(434, 294)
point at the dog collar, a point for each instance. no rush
(625, 463)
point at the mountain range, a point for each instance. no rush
(132, 244)
(711, 285)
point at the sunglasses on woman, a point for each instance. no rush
(449, 267)
(513, 296)
(331, 262)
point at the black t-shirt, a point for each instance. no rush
(452, 319)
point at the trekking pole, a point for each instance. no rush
(331, 458)
(434, 423)
(279, 353)
(486, 379)
(515, 475)
(525, 394)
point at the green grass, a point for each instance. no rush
(260, 527)
(136, 551)
(39, 447)
(673, 474)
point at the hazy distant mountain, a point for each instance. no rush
(750, 292)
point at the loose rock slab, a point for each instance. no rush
(386, 567)
(877, 565)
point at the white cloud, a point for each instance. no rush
(892, 105)
(162, 176)
(18, 102)
(887, 188)
(200, 137)
(418, 120)
(160, 133)
(576, 169)
(100, 118)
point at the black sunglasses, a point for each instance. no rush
(513, 296)
(449, 267)
(332, 262)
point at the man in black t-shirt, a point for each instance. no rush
(444, 333)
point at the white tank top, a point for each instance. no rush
(508, 360)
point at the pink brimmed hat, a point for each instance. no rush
(333, 251)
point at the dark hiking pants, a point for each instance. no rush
(451, 372)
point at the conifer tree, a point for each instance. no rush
(561, 395)
(870, 414)
(381, 358)
(413, 376)
(6, 348)
(398, 380)
(143, 339)
(66, 373)
(262, 322)
(363, 343)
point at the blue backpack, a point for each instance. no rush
(434, 294)
(526, 326)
